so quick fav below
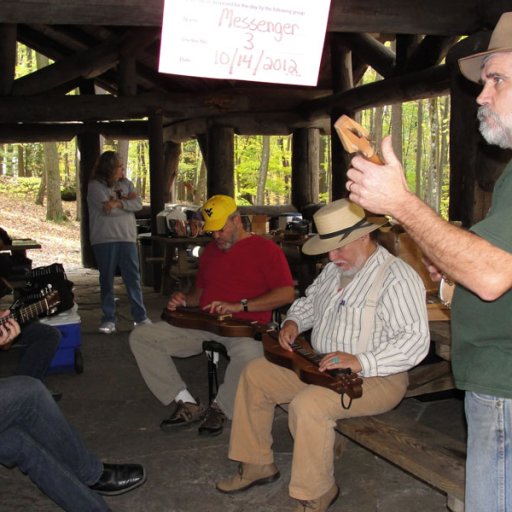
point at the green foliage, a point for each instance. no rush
(19, 187)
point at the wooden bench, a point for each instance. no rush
(424, 452)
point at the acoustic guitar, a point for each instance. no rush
(47, 305)
(223, 325)
(304, 361)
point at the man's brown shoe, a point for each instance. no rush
(185, 414)
(319, 504)
(248, 476)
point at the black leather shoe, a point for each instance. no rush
(119, 478)
(213, 423)
(57, 395)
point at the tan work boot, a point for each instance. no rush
(249, 475)
(319, 504)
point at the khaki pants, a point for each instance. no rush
(313, 412)
(154, 346)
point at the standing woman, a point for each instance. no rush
(112, 201)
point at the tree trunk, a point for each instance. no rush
(396, 130)
(21, 161)
(263, 171)
(419, 148)
(54, 210)
(41, 192)
(443, 151)
(377, 126)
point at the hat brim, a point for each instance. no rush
(471, 66)
(215, 225)
(316, 245)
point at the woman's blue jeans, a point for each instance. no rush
(35, 436)
(109, 257)
(489, 464)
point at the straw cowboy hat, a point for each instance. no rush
(501, 41)
(340, 223)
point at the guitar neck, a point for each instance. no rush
(23, 315)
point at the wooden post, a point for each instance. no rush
(156, 167)
(127, 84)
(342, 81)
(88, 145)
(8, 34)
(305, 167)
(157, 184)
(220, 164)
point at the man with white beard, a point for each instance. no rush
(480, 262)
(367, 312)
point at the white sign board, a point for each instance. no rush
(277, 41)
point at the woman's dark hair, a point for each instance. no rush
(105, 167)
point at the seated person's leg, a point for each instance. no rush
(40, 342)
(35, 436)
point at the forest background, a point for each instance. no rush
(38, 181)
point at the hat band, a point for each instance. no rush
(363, 223)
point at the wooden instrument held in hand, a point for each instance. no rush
(22, 315)
(355, 139)
(446, 289)
(304, 361)
(223, 325)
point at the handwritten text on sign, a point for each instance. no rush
(257, 40)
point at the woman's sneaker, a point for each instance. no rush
(142, 322)
(107, 327)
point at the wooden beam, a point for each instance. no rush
(253, 123)
(43, 132)
(394, 16)
(87, 64)
(372, 52)
(34, 109)
(430, 52)
(7, 57)
(413, 86)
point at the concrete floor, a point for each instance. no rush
(119, 420)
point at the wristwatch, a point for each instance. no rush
(245, 304)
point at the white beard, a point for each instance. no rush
(498, 131)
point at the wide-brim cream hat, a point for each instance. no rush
(340, 223)
(501, 41)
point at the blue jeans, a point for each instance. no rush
(40, 342)
(35, 436)
(124, 255)
(489, 463)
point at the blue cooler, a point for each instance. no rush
(68, 357)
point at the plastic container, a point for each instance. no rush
(68, 357)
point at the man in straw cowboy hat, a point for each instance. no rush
(479, 261)
(367, 312)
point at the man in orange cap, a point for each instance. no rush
(367, 312)
(240, 274)
(480, 262)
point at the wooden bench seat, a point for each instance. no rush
(424, 452)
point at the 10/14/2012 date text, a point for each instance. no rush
(255, 62)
